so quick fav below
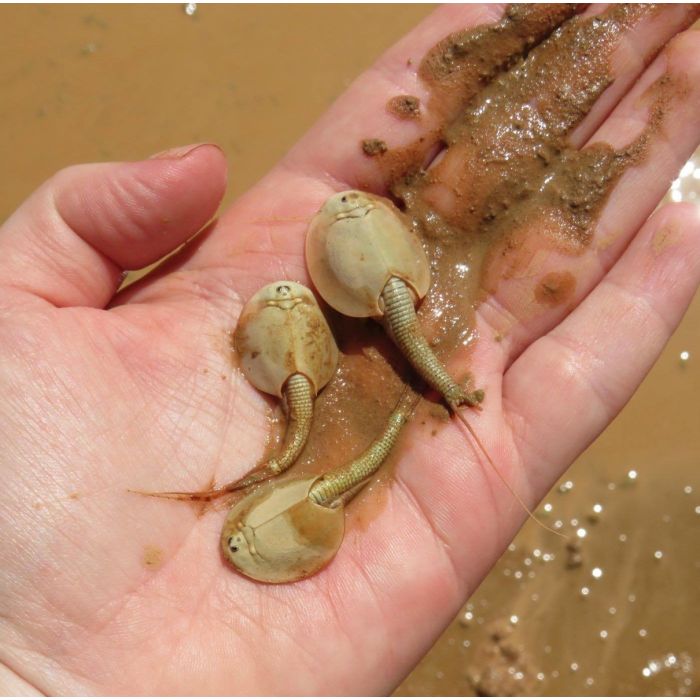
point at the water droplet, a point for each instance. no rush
(658, 554)
(466, 644)
(513, 619)
(558, 524)
(511, 547)
(697, 510)
(574, 666)
(603, 634)
(518, 574)
(536, 552)
(597, 572)
(688, 490)
(642, 633)
(646, 672)
(622, 537)
(527, 561)
(581, 532)
(585, 591)
(519, 676)
(589, 681)
(574, 522)
(597, 508)
(685, 356)
(632, 474)
(612, 610)
(566, 487)
(540, 676)
(547, 507)
(190, 8)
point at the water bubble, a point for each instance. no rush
(581, 532)
(190, 8)
(687, 169)
(585, 591)
(658, 554)
(536, 552)
(566, 486)
(642, 633)
(540, 676)
(697, 510)
(574, 522)
(597, 508)
(511, 547)
(603, 634)
(646, 672)
(684, 356)
(631, 597)
(597, 572)
(632, 474)
(676, 195)
(622, 537)
(589, 681)
(688, 490)
(514, 619)
(573, 666)
(466, 644)
(612, 610)
(547, 507)
(518, 575)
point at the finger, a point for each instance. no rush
(566, 387)
(636, 47)
(69, 243)
(672, 138)
(334, 146)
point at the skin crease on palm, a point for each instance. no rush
(95, 402)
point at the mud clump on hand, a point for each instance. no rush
(404, 107)
(374, 147)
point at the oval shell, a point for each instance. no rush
(354, 245)
(282, 331)
(276, 534)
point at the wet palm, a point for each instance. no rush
(106, 591)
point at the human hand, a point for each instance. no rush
(106, 592)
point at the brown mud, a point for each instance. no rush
(519, 633)
(404, 107)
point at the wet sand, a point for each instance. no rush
(209, 89)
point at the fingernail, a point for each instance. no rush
(181, 152)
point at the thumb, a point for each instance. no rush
(71, 240)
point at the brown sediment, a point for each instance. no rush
(507, 186)
(374, 147)
(152, 557)
(404, 107)
(555, 288)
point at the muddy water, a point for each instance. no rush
(615, 613)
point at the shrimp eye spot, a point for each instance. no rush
(232, 547)
(283, 289)
(343, 199)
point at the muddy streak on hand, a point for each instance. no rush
(507, 169)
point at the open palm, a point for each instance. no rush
(105, 591)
